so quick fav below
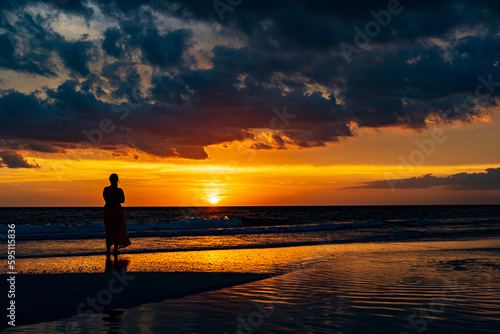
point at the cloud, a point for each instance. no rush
(220, 81)
(75, 56)
(14, 160)
(489, 180)
(31, 44)
(164, 51)
(110, 43)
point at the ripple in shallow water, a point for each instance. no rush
(384, 288)
(346, 295)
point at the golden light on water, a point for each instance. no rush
(261, 260)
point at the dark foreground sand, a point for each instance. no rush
(47, 297)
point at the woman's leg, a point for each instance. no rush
(121, 240)
(109, 232)
(116, 230)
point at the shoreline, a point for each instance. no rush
(417, 237)
(445, 236)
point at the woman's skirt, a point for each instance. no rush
(116, 233)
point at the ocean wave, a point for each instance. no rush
(196, 226)
(423, 222)
(185, 227)
(187, 223)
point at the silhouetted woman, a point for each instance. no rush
(114, 220)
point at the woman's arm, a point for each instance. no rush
(121, 196)
(113, 196)
(106, 195)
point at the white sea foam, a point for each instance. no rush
(187, 223)
(187, 226)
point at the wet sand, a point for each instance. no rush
(355, 288)
(49, 297)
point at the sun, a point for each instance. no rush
(213, 199)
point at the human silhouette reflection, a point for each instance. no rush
(114, 317)
(115, 263)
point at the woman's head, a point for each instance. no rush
(113, 178)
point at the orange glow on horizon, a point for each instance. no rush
(204, 183)
(238, 176)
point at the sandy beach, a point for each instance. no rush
(384, 282)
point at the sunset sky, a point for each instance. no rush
(249, 102)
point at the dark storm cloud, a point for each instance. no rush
(426, 61)
(323, 25)
(490, 180)
(110, 43)
(76, 56)
(29, 47)
(14, 160)
(164, 50)
(74, 7)
(13, 47)
(17, 145)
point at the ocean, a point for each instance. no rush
(55, 232)
(324, 269)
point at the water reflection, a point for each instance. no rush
(364, 293)
(263, 260)
(113, 318)
(116, 263)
